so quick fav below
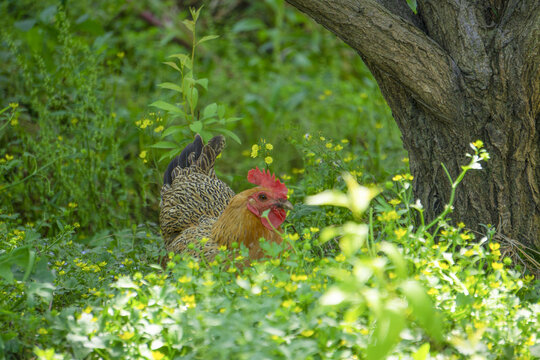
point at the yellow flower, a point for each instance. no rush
(254, 151)
(42, 331)
(389, 216)
(327, 92)
(287, 303)
(295, 277)
(338, 147)
(144, 123)
(294, 237)
(344, 141)
(314, 229)
(142, 155)
(159, 129)
(395, 202)
(291, 288)
(494, 246)
(433, 291)
(275, 262)
(14, 122)
(322, 138)
(307, 333)
(9, 157)
(126, 335)
(74, 121)
(397, 178)
(269, 146)
(268, 160)
(340, 258)
(400, 232)
(465, 236)
(329, 145)
(469, 253)
(494, 284)
(120, 54)
(156, 355)
(478, 144)
(497, 266)
(188, 299)
(184, 279)
(72, 205)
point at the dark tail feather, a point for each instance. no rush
(182, 160)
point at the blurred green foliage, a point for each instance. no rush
(80, 175)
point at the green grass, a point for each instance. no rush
(79, 190)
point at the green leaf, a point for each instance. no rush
(205, 135)
(163, 105)
(164, 145)
(195, 13)
(231, 119)
(422, 309)
(169, 154)
(203, 83)
(247, 25)
(193, 97)
(388, 326)
(422, 353)
(353, 238)
(221, 111)
(397, 259)
(184, 59)
(328, 197)
(196, 127)
(170, 86)
(230, 134)
(23, 257)
(329, 233)
(359, 196)
(190, 24)
(172, 130)
(173, 65)
(210, 110)
(207, 38)
(25, 25)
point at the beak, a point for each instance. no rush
(284, 204)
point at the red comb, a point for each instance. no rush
(265, 179)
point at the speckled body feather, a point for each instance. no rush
(197, 205)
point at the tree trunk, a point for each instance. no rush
(455, 72)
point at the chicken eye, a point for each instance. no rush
(262, 197)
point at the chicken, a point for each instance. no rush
(198, 208)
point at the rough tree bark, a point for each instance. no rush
(455, 72)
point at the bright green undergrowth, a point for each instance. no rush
(360, 276)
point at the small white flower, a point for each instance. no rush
(473, 147)
(417, 205)
(476, 166)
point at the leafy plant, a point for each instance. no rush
(211, 120)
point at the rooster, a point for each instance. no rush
(198, 208)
